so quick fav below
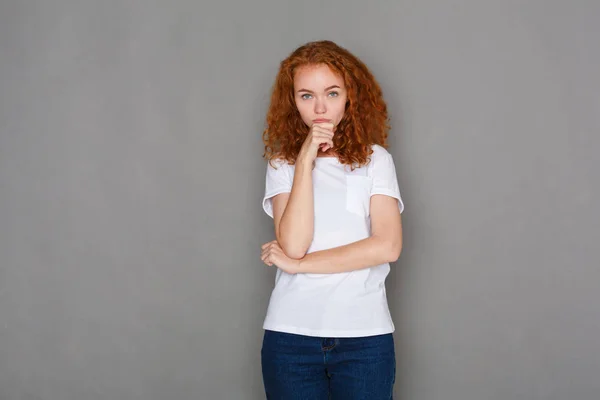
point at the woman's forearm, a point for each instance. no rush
(296, 227)
(364, 253)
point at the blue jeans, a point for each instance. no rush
(297, 367)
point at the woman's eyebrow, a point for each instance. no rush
(326, 89)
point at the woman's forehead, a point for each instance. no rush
(318, 76)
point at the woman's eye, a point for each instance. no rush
(333, 94)
(306, 96)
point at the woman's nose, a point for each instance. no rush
(320, 107)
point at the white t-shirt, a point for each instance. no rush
(347, 304)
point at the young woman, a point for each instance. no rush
(332, 191)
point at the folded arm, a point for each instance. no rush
(293, 214)
(384, 244)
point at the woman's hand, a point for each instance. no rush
(320, 136)
(272, 254)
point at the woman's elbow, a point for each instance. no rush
(293, 251)
(296, 254)
(394, 251)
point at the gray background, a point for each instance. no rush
(131, 180)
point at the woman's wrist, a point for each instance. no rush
(304, 163)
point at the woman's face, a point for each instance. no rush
(320, 94)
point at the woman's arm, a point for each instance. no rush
(293, 213)
(384, 244)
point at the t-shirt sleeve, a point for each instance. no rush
(384, 178)
(278, 180)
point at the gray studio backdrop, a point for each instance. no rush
(131, 181)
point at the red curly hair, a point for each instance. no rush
(365, 121)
